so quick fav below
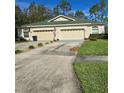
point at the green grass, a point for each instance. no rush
(99, 47)
(93, 76)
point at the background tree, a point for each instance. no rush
(65, 6)
(79, 13)
(94, 10)
(40, 12)
(71, 14)
(56, 10)
(102, 10)
(18, 14)
(32, 12)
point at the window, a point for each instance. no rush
(26, 34)
(95, 30)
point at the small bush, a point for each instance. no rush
(20, 40)
(18, 51)
(40, 44)
(93, 39)
(57, 39)
(86, 38)
(31, 47)
(47, 43)
(51, 41)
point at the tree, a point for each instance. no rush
(94, 10)
(102, 9)
(71, 14)
(65, 6)
(97, 11)
(18, 13)
(32, 12)
(56, 10)
(79, 13)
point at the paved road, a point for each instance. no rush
(47, 70)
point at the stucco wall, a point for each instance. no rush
(101, 29)
(62, 34)
(88, 31)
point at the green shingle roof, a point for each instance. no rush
(78, 20)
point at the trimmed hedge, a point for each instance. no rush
(99, 36)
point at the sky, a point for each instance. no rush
(83, 5)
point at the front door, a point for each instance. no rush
(34, 38)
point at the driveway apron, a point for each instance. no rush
(47, 70)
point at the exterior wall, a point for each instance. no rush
(88, 31)
(62, 35)
(101, 29)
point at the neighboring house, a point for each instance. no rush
(62, 28)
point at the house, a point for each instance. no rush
(62, 28)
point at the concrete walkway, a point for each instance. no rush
(47, 70)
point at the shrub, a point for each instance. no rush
(86, 38)
(47, 43)
(99, 36)
(18, 51)
(51, 41)
(31, 47)
(40, 44)
(93, 39)
(57, 39)
(20, 39)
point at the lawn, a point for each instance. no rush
(93, 76)
(99, 47)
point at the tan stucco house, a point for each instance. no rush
(62, 28)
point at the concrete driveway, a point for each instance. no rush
(47, 69)
(25, 45)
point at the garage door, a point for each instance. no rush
(43, 34)
(72, 34)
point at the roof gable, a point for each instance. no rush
(61, 18)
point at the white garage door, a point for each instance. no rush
(43, 34)
(72, 34)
